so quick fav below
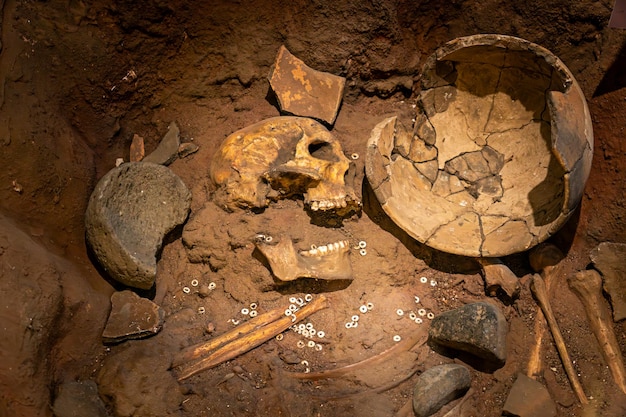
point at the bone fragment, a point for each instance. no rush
(588, 286)
(498, 276)
(249, 340)
(538, 287)
(544, 258)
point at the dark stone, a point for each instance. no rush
(528, 398)
(131, 210)
(438, 386)
(478, 329)
(132, 317)
(79, 399)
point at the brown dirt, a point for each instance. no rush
(67, 114)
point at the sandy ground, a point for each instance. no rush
(68, 113)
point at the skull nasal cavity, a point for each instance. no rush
(323, 150)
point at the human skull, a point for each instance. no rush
(278, 158)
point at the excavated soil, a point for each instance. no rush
(80, 78)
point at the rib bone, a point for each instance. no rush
(588, 286)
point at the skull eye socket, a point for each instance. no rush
(323, 150)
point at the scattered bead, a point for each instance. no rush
(304, 362)
(309, 326)
(363, 252)
(245, 311)
(412, 315)
(186, 290)
(288, 312)
(194, 282)
(433, 283)
(354, 156)
(212, 285)
(253, 306)
(362, 244)
(311, 344)
(201, 310)
(363, 309)
(423, 280)
(308, 297)
(397, 338)
(300, 344)
(253, 313)
(355, 318)
(268, 239)
(417, 300)
(430, 316)
(292, 300)
(321, 334)
(421, 312)
(418, 320)
(279, 337)
(355, 324)
(349, 325)
(318, 347)
(293, 307)
(370, 306)
(400, 312)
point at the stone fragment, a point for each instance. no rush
(528, 398)
(478, 329)
(137, 150)
(167, 151)
(438, 386)
(610, 259)
(79, 398)
(132, 317)
(186, 149)
(129, 213)
(303, 91)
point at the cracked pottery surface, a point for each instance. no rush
(500, 150)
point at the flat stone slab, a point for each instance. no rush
(529, 398)
(438, 386)
(132, 317)
(167, 151)
(132, 208)
(610, 259)
(478, 329)
(303, 91)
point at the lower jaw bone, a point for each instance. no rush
(330, 262)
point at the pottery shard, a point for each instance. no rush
(137, 150)
(129, 213)
(609, 259)
(132, 317)
(167, 151)
(528, 398)
(303, 91)
(478, 329)
(438, 386)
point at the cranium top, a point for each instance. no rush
(280, 157)
(500, 152)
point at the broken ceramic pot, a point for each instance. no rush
(327, 262)
(499, 154)
(279, 158)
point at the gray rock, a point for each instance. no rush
(167, 151)
(132, 317)
(610, 259)
(478, 329)
(79, 399)
(528, 398)
(133, 207)
(438, 386)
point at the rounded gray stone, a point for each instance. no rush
(478, 329)
(133, 207)
(438, 386)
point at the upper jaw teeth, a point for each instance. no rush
(324, 250)
(328, 204)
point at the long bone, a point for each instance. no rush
(253, 337)
(587, 285)
(538, 287)
(543, 259)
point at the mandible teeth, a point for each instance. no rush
(313, 252)
(314, 206)
(323, 204)
(323, 250)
